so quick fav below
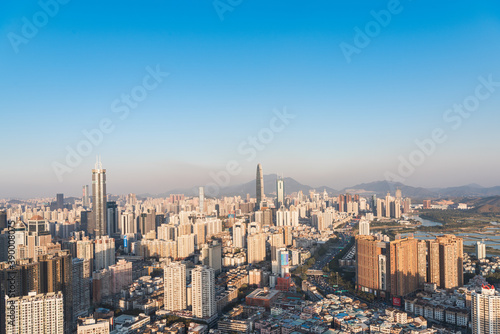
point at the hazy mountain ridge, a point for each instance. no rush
(486, 205)
(379, 188)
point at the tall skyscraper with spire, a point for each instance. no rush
(260, 185)
(99, 198)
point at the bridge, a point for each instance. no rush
(312, 272)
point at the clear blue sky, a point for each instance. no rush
(352, 120)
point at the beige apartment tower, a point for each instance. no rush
(175, 287)
(403, 266)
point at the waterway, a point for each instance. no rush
(470, 238)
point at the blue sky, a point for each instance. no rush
(352, 120)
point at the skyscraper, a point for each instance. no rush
(203, 290)
(201, 194)
(486, 311)
(99, 199)
(260, 186)
(85, 196)
(280, 192)
(175, 287)
(60, 201)
(111, 218)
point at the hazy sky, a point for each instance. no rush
(231, 68)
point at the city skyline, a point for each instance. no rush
(232, 166)
(397, 83)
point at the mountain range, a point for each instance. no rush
(379, 188)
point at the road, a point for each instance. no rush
(344, 238)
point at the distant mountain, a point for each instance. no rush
(473, 190)
(381, 188)
(486, 205)
(291, 186)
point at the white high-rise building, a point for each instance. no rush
(185, 245)
(203, 292)
(486, 311)
(202, 199)
(239, 234)
(280, 191)
(42, 313)
(175, 287)
(104, 253)
(283, 218)
(99, 199)
(128, 223)
(480, 250)
(364, 227)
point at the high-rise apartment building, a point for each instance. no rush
(35, 313)
(185, 245)
(175, 287)
(239, 234)
(486, 311)
(451, 261)
(369, 252)
(445, 261)
(82, 273)
(99, 211)
(56, 274)
(480, 250)
(104, 252)
(276, 242)
(364, 227)
(256, 248)
(403, 266)
(433, 270)
(203, 292)
(422, 263)
(211, 256)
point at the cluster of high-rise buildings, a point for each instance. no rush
(199, 295)
(400, 267)
(69, 257)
